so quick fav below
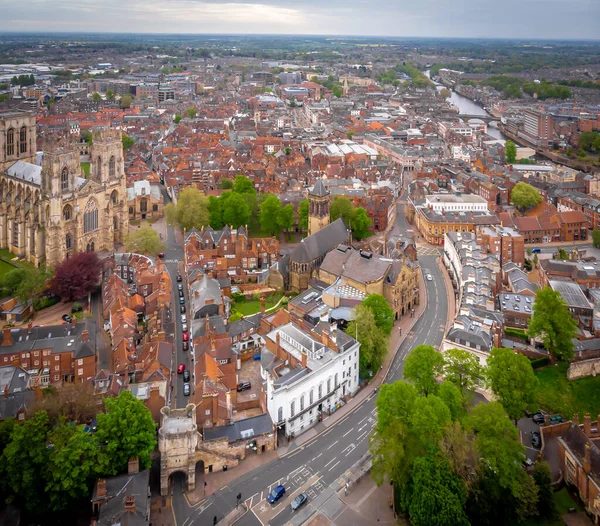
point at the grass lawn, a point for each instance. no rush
(5, 267)
(86, 169)
(563, 501)
(247, 308)
(8, 258)
(559, 395)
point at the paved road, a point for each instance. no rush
(318, 464)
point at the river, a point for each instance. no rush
(469, 107)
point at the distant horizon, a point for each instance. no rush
(464, 19)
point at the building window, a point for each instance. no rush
(114, 197)
(311, 397)
(23, 140)
(328, 385)
(98, 168)
(68, 242)
(302, 403)
(90, 219)
(15, 233)
(336, 380)
(320, 391)
(67, 212)
(280, 414)
(143, 205)
(293, 409)
(10, 142)
(64, 179)
(112, 168)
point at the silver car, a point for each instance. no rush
(299, 501)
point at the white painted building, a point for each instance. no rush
(456, 203)
(307, 374)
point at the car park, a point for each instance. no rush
(243, 386)
(538, 418)
(536, 440)
(186, 390)
(186, 375)
(181, 368)
(298, 501)
(276, 494)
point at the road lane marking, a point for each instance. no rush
(362, 420)
(330, 461)
(361, 428)
(334, 465)
(351, 429)
(332, 445)
(362, 436)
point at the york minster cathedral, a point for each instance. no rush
(49, 210)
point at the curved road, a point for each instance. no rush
(318, 464)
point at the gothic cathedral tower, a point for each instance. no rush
(318, 207)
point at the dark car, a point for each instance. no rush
(298, 501)
(186, 376)
(185, 346)
(536, 440)
(181, 300)
(67, 318)
(538, 418)
(244, 386)
(179, 278)
(276, 494)
(180, 293)
(161, 255)
(186, 390)
(182, 309)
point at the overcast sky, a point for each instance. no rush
(554, 19)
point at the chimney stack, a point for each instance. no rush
(262, 304)
(85, 335)
(101, 488)
(587, 425)
(130, 504)
(576, 419)
(7, 339)
(29, 326)
(133, 466)
(587, 461)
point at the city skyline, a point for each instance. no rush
(431, 18)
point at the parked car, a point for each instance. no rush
(184, 327)
(185, 346)
(556, 419)
(179, 286)
(185, 336)
(429, 277)
(298, 501)
(186, 390)
(536, 439)
(180, 293)
(183, 318)
(536, 250)
(527, 461)
(181, 368)
(276, 494)
(179, 278)
(538, 418)
(181, 300)
(182, 309)
(161, 255)
(243, 386)
(186, 375)
(256, 357)
(67, 318)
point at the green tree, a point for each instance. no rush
(286, 217)
(126, 430)
(373, 341)
(226, 184)
(127, 141)
(553, 323)
(125, 101)
(596, 238)
(191, 210)
(110, 95)
(215, 212)
(303, 213)
(177, 118)
(243, 185)
(144, 240)
(512, 380)
(191, 112)
(453, 398)
(437, 494)
(462, 368)
(270, 211)
(543, 479)
(510, 152)
(236, 211)
(524, 196)
(384, 315)
(360, 223)
(341, 207)
(588, 140)
(25, 459)
(422, 366)
(460, 448)
(445, 93)
(429, 418)
(96, 96)
(72, 466)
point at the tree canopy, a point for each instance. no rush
(596, 238)
(341, 207)
(524, 196)
(125, 101)
(360, 223)
(26, 284)
(77, 276)
(373, 340)
(510, 152)
(127, 141)
(422, 367)
(512, 380)
(191, 112)
(384, 315)
(462, 368)
(144, 240)
(553, 322)
(191, 210)
(303, 212)
(270, 211)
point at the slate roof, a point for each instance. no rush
(242, 429)
(112, 509)
(321, 242)
(319, 190)
(27, 172)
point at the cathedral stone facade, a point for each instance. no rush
(48, 210)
